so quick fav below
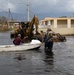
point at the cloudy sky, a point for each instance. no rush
(41, 8)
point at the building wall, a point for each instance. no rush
(72, 23)
(61, 23)
(64, 31)
(63, 26)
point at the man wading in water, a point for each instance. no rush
(48, 41)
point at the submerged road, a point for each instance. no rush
(36, 62)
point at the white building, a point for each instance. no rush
(63, 26)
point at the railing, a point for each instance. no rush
(44, 26)
(52, 26)
(61, 26)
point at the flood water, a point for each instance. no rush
(36, 62)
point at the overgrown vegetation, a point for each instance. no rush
(3, 20)
(3, 24)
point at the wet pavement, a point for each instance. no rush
(36, 62)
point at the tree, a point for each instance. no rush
(3, 20)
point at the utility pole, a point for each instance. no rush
(73, 14)
(28, 10)
(8, 16)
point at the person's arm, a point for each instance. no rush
(21, 40)
(51, 39)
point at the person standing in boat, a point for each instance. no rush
(18, 40)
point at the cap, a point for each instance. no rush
(19, 35)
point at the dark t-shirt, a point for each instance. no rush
(17, 41)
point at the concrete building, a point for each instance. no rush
(64, 25)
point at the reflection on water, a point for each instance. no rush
(19, 56)
(59, 62)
